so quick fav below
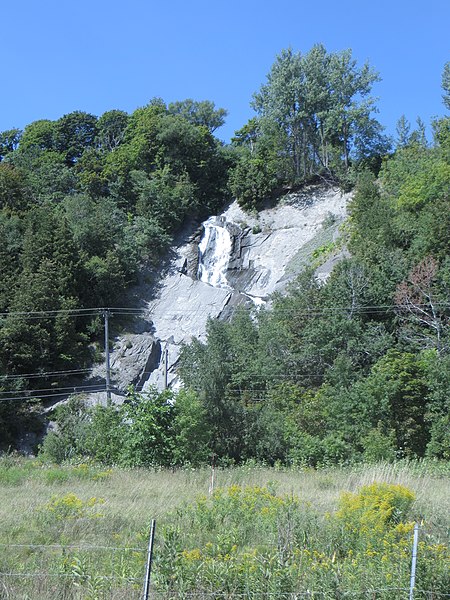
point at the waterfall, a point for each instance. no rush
(214, 253)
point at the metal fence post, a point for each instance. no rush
(414, 561)
(148, 569)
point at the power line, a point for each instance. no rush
(46, 374)
(71, 387)
(53, 312)
(121, 311)
(56, 394)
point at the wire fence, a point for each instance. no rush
(98, 572)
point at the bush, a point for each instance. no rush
(251, 542)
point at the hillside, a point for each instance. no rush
(320, 350)
(235, 259)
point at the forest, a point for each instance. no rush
(356, 369)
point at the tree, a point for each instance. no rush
(202, 113)
(164, 196)
(148, 435)
(111, 128)
(39, 135)
(398, 385)
(47, 176)
(49, 280)
(280, 104)
(74, 133)
(438, 406)
(351, 104)
(96, 225)
(403, 129)
(254, 177)
(158, 141)
(315, 118)
(248, 135)
(207, 369)
(14, 195)
(9, 141)
(423, 314)
(192, 435)
(11, 233)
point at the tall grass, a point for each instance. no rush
(97, 520)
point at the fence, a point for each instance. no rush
(75, 572)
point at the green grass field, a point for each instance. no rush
(81, 532)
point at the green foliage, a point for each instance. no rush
(111, 129)
(9, 141)
(334, 372)
(358, 382)
(254, 177)
(164, 196)
(314, 119)
(39, 135)
(379, 445)
(73, 134)
(13, 190)
(202, 113)
(65, 443)
(148, 438)
(191, 431)
(251, 542)
(85, 204)
(430, 182)
(438, 406)
(151, 430)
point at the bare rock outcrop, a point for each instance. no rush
(266, 251)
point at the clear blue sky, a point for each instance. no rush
(96, 55)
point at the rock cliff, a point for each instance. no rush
(235, 258)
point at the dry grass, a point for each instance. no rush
(134, 497)
(139, 495)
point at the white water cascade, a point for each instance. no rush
(214, 253)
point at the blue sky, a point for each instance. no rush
(96, 55)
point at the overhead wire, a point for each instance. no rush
(46, 374)
(147, 312)
(72, 387)
(39, 397)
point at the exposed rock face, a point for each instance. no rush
(237, 258)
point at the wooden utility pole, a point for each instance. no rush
(107, 363)
(166, 366)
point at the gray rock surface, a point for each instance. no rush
(268, 251)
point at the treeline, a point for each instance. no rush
(358, 368)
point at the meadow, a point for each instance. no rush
(81, 531)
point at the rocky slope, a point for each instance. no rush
(234, 258)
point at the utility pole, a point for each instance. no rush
(107, 363)
(166, 366)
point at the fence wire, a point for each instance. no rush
(74, 582)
